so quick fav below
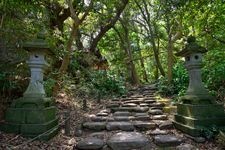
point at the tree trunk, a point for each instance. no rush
(133, 72)
(66, 59)
(170, 59)
(145, 77)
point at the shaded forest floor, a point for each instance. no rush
(78, 115)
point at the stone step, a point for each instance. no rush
(143, 125)
(142, 118)
(134, 101)
(122, 113)
(129, 105)
(128, 141)
(96, 126)
(157, 132)
(102, 114)
(167, 140)
(166, 125)
(159, 117)
(155, 112)
(101, 119)
(90, 143)
(157, 105)
(150, 102)
(144, 105)
(123, 118)
(122, 125)
(130, 109)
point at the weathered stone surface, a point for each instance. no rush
(144, 104)
(131, 109)
(156, 112)
(153, 108)
(159, 117)
(99, 119)
(136, 101)
(157, 132)
(166, 125)
(142, 118)
(141, 109)
(167, 140)
(157, 105)
(136, 96)
(90, 143)
(124, 126)
(121, 118)
(150, 101)
(141, 125)
(129, 105)
(127, 141)
(97, 126)
(102, 114)
(122, 113)
(100, 135)
(140, 114)
(158, 122)
(105, 111)
(186, 147)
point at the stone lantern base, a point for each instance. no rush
(193, 119)
(31, 117)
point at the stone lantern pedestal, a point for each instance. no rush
(34, 113)
(198, 110)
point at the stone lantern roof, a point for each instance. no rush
(38, 43)
(191, 47)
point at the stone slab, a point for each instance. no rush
(157, 132)
(97, 126)
(186, 147)
(122, 125)
(159, 117)
(141, 125)
(129, 105)
(122, 113)
(127, 141)
(155, 112)
(102, 114)
(167, 140)
(142, 118)
(90, 143)
(131, 109)
(166, 125)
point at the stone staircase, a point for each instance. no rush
(132, 122)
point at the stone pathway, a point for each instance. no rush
(133, 122)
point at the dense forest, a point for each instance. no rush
(101, 48)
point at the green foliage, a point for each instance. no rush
(48, 86)
(179, 83)
(211, 132)
(214, 74)
(107, 83)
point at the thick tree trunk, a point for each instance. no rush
(133, 72)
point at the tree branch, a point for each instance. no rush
(107, 26)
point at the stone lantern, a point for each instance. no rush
(197, 109)
(34, 113)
